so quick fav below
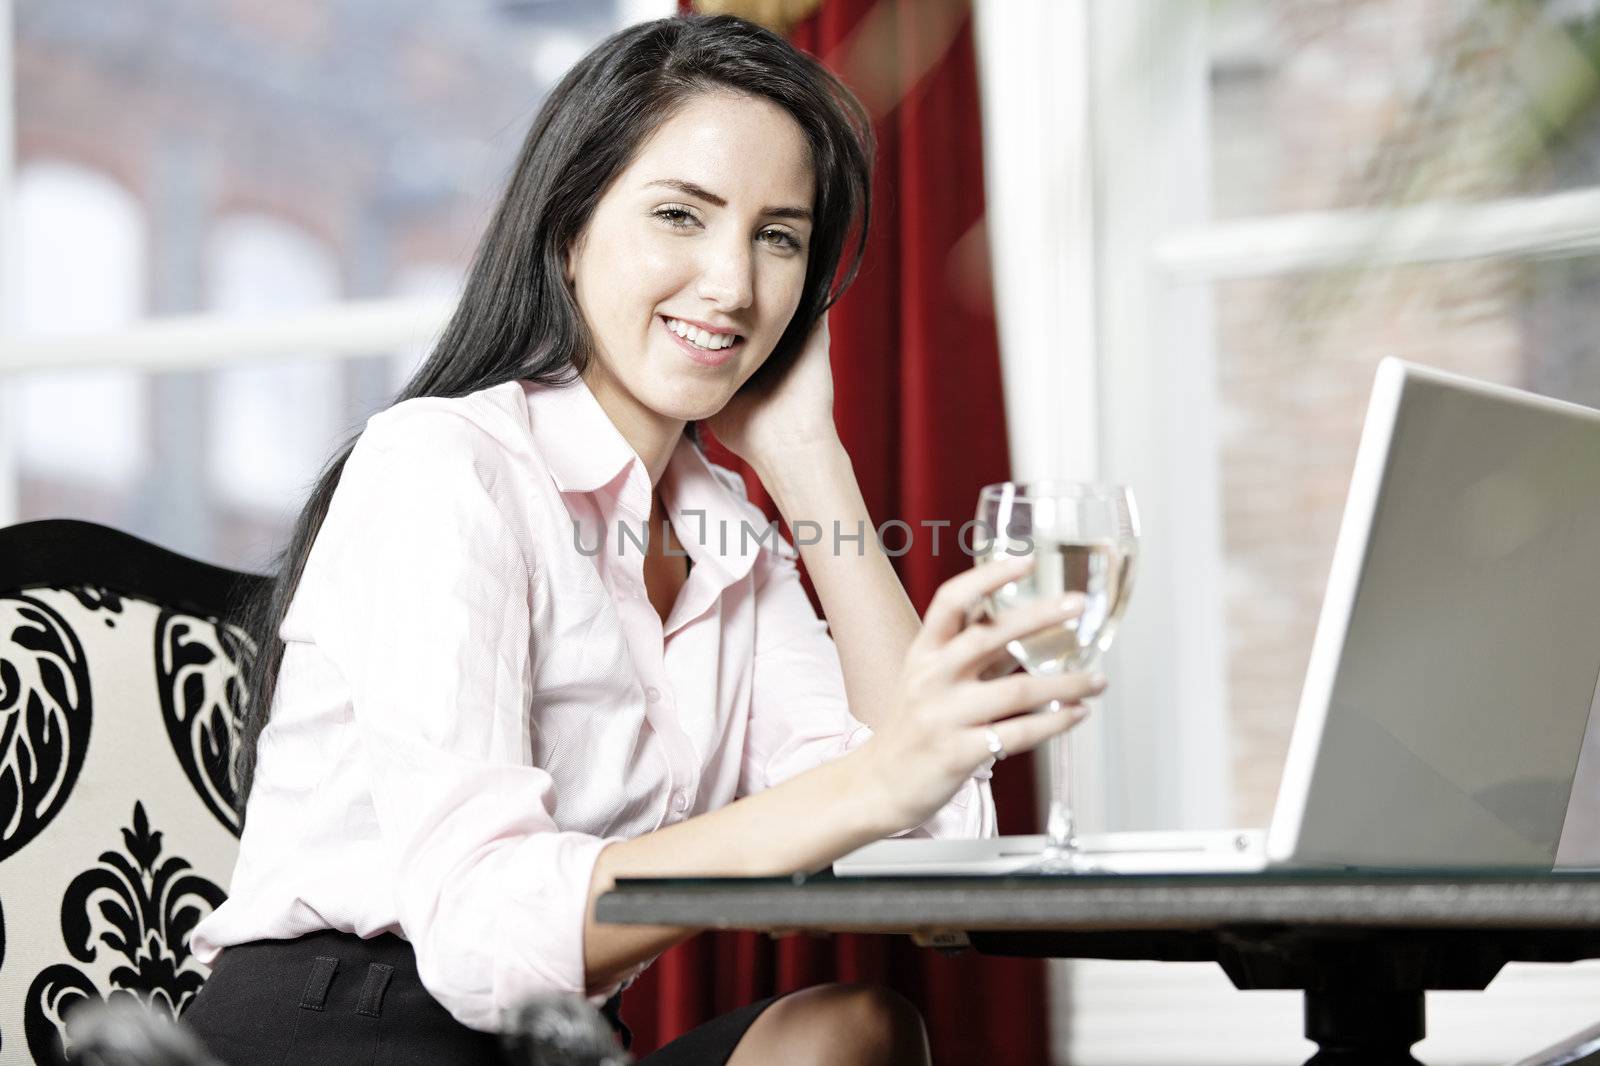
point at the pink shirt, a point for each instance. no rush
(474, 701)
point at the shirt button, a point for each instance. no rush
(680, 802)
(652, 694)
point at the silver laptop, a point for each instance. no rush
(1455, 664)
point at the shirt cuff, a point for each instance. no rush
(541, 929)
(969, 814)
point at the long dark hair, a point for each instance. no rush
(517, 320)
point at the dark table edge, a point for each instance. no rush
(1508, 900)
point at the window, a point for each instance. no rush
(270, 424)
(1241, 208)
(1422, 179)
(317, 172)
(78, 257)
(1253, 202)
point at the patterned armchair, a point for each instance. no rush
(119, 705)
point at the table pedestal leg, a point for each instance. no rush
(1364, 1028)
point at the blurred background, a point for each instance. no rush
(231, 228)
(269, 164)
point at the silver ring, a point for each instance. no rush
(997, 749)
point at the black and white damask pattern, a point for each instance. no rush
(142, 907)
(200, 666)
(94, 598)
(46, 710)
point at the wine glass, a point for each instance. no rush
(1083, 538)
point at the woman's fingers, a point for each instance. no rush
(998, 665)
(966, 653)
(985, 701)
(1028, 731)
(947, 614)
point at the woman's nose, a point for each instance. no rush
(726, 277)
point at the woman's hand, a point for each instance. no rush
(934, 737)
(768, 422)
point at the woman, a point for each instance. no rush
(493, 696)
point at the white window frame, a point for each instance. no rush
(1093, 390)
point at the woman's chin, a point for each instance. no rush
(688, 405)
(687, 412)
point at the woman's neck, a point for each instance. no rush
(652, 436)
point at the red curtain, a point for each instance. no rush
(919, 405)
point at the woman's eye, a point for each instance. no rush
(682, 218)
(785, 239)
(676, 217)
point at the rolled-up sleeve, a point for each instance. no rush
(428, 617)
(799, 711)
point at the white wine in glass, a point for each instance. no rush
(1101, 570)
(1083, 538)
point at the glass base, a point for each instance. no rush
(1062, 855)
(1057, 861)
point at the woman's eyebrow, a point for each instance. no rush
(712, 198)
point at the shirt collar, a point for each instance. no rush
(719, 528)
(585, 453)
(581, 446)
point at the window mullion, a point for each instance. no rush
(1563, 223)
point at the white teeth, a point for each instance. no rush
(699, 337)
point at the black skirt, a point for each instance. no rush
(336, 999)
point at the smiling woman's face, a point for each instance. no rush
(709, 227)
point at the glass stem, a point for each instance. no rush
(1061, 827)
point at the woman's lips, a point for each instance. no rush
(700, 355)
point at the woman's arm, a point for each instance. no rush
(930, 744)
(785, 430)
(869, 615)
(802, 824)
